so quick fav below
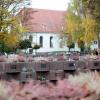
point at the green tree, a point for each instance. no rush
(81, 45)
(70, 43)
(24, 44)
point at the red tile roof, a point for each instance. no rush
(41, 20)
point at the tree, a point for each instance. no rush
(70, 43)
(74, 28)
(80, 25)
(89, 26)
(10, 23)
(36, 46)
(81, 45)
(73, 21)
(24, 44)
(92, 8)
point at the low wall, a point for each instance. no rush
(23, 71)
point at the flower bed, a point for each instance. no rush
(84, 86)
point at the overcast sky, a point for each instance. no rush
(50, 4)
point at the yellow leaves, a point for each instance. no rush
(10, 23)
(89, 26)
(2, 35)
(11, 31)
(84, 28)
(11, 40)
(73, 25)
(80, 24)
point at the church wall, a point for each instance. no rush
(46, 47)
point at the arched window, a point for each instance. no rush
(41, 41)
(51, 43)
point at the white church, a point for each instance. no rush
(45, 28)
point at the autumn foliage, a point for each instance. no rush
(11, 29)
(80, 24)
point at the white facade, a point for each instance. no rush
(55, 44)
(47, 44)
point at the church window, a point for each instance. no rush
(41, 41)
(51, 43)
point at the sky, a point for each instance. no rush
(50, 4)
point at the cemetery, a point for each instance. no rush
(48, 53)
(22, 68)
(60, 77)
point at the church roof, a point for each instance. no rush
(42, 20)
